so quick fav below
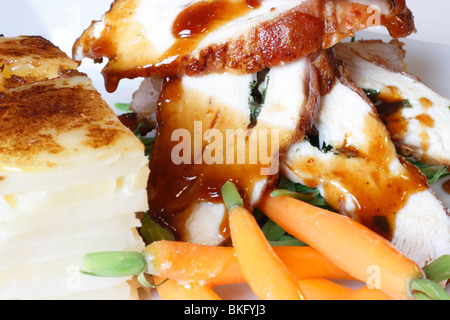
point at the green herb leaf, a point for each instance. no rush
(432, 172)
(257, 98)
(113, 264)
(231, 196)
(326, 148)
(371, 93)
(272, 231)
(304, 189)
(287, 241)
(146, 141)
(287, 184)
(439, 175)
(299, 196)
(123, 107)
(301, 192)
(152, 231)
(277, 236)
(439, 269)
(406, 104)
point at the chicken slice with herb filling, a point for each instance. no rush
(146, 37)
(354, 164)
(416, 116)
(221, 127)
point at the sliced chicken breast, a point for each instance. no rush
(213, 129)
(416, 116)
(355, 165)
(145, 37)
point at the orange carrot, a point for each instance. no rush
(366, 293)
(323, 289)
(302, 262)
(264, 271)
(348, 244)
(308, 263)
(173, 290)
(185, 261)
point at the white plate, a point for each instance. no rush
(62, 22)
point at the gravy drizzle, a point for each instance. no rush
(175, 188)
(446, 186)
(191, 26)
(366, 175)
(200, 18)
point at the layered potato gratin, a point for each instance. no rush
(72, 177)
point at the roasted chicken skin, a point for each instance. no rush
(141, 38)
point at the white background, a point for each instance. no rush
(63, 21)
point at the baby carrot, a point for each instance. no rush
(366, 293)
(308, 263)
(173, 290)
(323, 289)
(264, 271)
(185, 261)
(348, 244)
(302, 262)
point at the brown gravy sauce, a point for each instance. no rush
(175, 188)
(389, 106)
(201, 17)
(446, 186)
(399, 25)
(195, 22)
(378, 194)
(191, 26)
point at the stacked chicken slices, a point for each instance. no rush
(341, 146)
(72, 178)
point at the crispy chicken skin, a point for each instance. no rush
(141, 38)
